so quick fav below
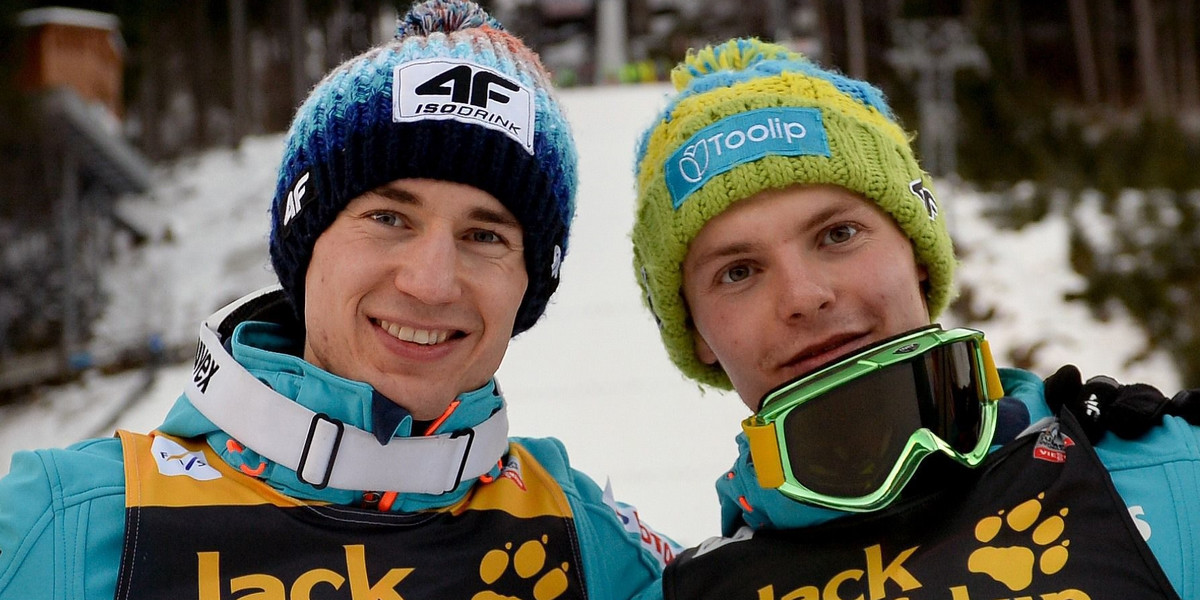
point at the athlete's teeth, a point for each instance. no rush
(416, 336)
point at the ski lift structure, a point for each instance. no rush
(936, 50)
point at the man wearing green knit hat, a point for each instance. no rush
(791, 248)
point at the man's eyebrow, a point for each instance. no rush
(725, 251)
(485, 215)
(397, 195)
(827, 213)
(494, 217)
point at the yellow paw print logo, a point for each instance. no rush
(1014, 566)
(527, 562)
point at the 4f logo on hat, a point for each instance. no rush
(460, 90)
(298, 197)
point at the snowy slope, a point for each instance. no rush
(593, 372)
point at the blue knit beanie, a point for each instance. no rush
(453, 97)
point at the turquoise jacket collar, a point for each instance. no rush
(265, 351)
(743, 502)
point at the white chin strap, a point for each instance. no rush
(324, 451)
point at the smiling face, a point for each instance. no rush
(787, 280)
(414, 289)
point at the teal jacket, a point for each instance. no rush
(62, 511)
(1158, 476)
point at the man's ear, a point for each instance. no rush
(923, 283)
(703, 351)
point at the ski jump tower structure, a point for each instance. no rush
(60, 235)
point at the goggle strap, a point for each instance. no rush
(764, 448)
(994, 387)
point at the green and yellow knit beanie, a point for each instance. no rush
(749, 116)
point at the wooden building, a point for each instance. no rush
(73, 48)
(59, 223)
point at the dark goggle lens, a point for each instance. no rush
(950, 406)
(846, 441)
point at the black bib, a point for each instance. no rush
(1039, 519)
(199, 530)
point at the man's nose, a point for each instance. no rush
(802, 291)
(429, 269)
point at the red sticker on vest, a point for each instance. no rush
(1052, 445)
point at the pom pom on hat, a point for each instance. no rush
(438, 16)
(750, 116)
(512, 141)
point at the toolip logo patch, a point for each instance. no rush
(460, 90)
(740, 139)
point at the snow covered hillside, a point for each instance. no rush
(593, 372)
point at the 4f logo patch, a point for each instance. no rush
(460, 90)
(465, 85)
(298, 197)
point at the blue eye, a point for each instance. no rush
(485, 237)
(839, 234)
(387, 218)
(735, 274)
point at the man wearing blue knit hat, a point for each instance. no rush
(344, 436)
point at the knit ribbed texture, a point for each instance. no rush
(346, 141)
(864, 150)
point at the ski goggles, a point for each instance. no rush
(850, 435)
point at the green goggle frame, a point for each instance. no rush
(850, 435)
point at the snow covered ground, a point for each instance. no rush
(593, 372)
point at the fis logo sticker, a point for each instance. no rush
(173, 459)
(460, 90)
